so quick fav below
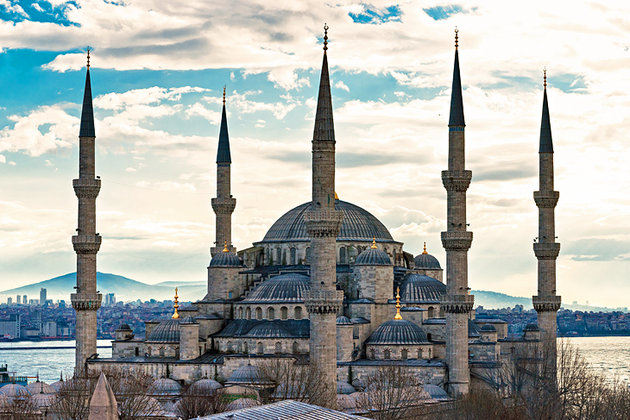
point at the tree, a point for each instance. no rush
(200, 401)
(20, 407)
(293, 379)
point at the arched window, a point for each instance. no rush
(245, 347)
(271, 313)
(137, 352)
(278, 347)
(387, 354)
(258, 313)
(149, 351)
(441, 313)
(298, 312)
(260, 349)
(308, 255)
(230, 347)
(293, 256)
(429, 336)
(240, 312)
(296, 347)
(278, 256)
(431, 312)
(429, 356)
(395, 256)
(248, 313)
(352, 254)
(420, 353)
(161, 351)
(343, 257)
(372, 354)
(284, 312)
(404, 354)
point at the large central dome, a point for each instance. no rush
(357, 225)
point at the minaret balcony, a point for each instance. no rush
(86, 187)
(323, 301)
(456, 180)
(457, 304)
(546, 250)
(546, 199)
(86, 244)
(223, 205)
(86, 301)
(321, 223)
(457, 240)
(546, 303)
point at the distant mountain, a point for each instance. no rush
(124, 288)
(496, 300)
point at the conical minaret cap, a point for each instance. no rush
(223, 152)
(546, 143)
(457, 104)
(87, 113)
(324, 125)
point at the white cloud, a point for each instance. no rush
(342, 85)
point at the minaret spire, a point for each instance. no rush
(224, 204)
(546, 249)
(323, 221)
(86, 242)
(457, 303)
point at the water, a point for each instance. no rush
(610, 355)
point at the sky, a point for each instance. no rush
(158, 69)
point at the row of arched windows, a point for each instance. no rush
(260, 348)
(404, 354)
(270, 313)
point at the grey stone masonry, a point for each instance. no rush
(457, 302)
(87, 241)
(323, 222)
(546, 249)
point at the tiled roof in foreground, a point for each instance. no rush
(287, 409)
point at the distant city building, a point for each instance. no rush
(42, 296)
(49, 329)
(10, 328)
(24, 300)
(18, 299)
(9, 301)
(110, 299)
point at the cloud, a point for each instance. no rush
(341, 85)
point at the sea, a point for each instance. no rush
(608, 355)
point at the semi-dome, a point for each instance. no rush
(398, 332)
(417, 288)
(488, 328)
(343, 320)
(268, 330)
(246, 374)
(165, 332)
(357, 225)
(165, 386)
(290, 287)
(373, 256)
(123, 327)
(426, 262)
(225, 259)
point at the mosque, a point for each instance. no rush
(327, 283)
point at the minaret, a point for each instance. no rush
(223, 205)
(86, 242)
(323, 221)
(546, 248)
(457, 302)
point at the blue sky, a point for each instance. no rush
(157, 72)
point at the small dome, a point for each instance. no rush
(345, 388)
(531, 327)
(246, 374)
(268, 330)
(290, 287)
(359, 320)
(343, 320)
(188, 320)
(398, 332)
(165, 332)
(14, 390)
(206, 385)
(241, 403)
(56, 386)
(426, 262)
(373, 256)
(39, 388)
(225, 259)
(165, 386)
(123, 327)
(43, 400)
(488, 328)
(289, 390)
(417, 288)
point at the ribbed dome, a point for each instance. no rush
(165, 386)
(421, 289)
(165, 332)
(43, 400)
(40, 388)
(357, 225)
(373, 256)
(427, 262)
(289, 287)
(225, 259)
(14, 390)
(123, 327)
(398, 332)
(206, 385)
(268, 330)
(247, 374)
(343, 320)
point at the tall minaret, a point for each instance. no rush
(546, 248)
(323, 300)
(223, 205)
(457, 302)
(86, 242)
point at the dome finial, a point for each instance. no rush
(88, 58)
(225, 247)
(336, 196)
(398, 316)
(325, 37)
(545, 77)
(425, 249)
(374, 243)
(223, 94)
(176, 306)
(456, 37)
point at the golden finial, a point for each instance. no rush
(176, 306)
(398, 316)
(425, 249)
(223, 94)
(88, 58)
(325, 37)
(545, 77)
(374, 243)
(336, 196)
(456, 37)
(225, 247)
